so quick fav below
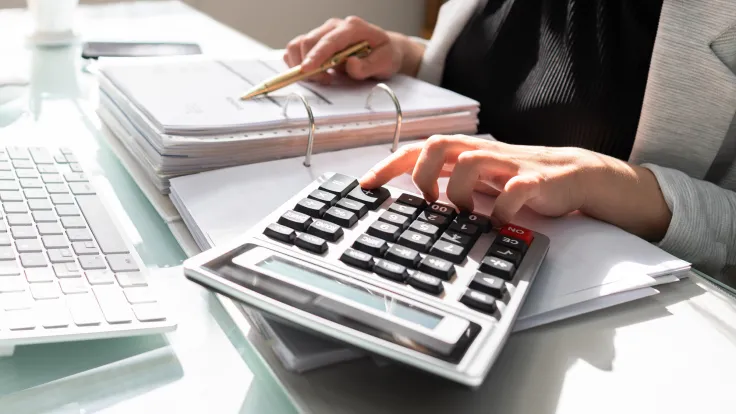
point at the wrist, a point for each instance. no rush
(410, 53)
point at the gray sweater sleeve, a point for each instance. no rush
(703, 226)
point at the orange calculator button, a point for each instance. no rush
(518, 232)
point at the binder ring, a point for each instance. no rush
(399, 115)
(310, 140)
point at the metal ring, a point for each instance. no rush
(399, 115)
(310, 139)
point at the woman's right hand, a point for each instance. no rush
(391, 52)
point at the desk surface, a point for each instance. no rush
(674, 352)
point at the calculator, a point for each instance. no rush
(383, 270)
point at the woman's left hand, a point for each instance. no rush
(551, 181)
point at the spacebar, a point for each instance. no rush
(102, 227)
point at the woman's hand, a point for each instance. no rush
(392, 52)
(551, 181)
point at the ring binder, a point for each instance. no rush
(397, 105)
(310, 140)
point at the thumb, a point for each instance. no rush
(516, 193)
(377, 64)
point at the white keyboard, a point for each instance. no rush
(66, 272)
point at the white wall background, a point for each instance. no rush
(275, 22)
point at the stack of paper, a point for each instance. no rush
(590, 265)
(183, 115)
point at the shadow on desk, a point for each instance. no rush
(528, 376)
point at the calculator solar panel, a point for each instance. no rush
(386, 271)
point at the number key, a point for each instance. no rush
(448, 251)
(414, 240)
(483, 223)
(384, 231)
(397, 220)
(425, 228)
(442, 208)
(433, 218)
(465, 228)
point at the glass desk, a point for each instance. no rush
(206, 365)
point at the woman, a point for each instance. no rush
(618, 109)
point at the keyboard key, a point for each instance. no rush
(22, 164)
(101, 225)
(78, 235)
(9, 268)
(3, 228)
(384, 231)
(75, 177)
(64, 210)
(425, 282)
(403, 256)
(39, 274)
(53, 313)
(73, 222)
(60, 255)
(324, 196)
(44, 216)
(7, 253)
(18, 220)
(6, 196)
(139, 295)
(433, 218)
(20, 319)
(115, 307)
(92, 262)
(131, 279)
(397, 220)
(4, 238)
(483, 223)
(41, 155)
(416, 241)
(30, 183)
(84, 309)
(61, 199)
(457, 238)
(63, 270)
(18, 153)
(24, 232)
(52, 179)
(9, 186)
(311, 243)
(120, 262)
(33, 260)
(340, 217)
(371, 198)
(27, 246)
(12, 284)
(100, 277)
(404, 210)
(5, 166)
(60, 158)
(519, 233)
(479, 300)
(326, 230)
(358, 208)
(489, 284)
(57, 189)
(503, 252)
(278, 232)
(47, 229)
(54, 242)
(464, 228)
(44, 169)
(425, 228)
(437, 267)
(390, 270)
(75, 167)
(511, 242)
(35, 194)
(8, 175)
(497, 267)
(47, 290)
(371, 245)
(357, 258)
(147, 312)
(15, 207)
(413, 201)
(442, 208)
(16, 300)
(339, 184)
(448, 251)
(310, 207)
(295, 220)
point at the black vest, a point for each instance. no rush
(557, 72)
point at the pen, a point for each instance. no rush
(295, 74)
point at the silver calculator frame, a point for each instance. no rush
(478, 358)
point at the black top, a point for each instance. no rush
(557, 72)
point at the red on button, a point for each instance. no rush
(517, 232)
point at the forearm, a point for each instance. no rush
(412, 53)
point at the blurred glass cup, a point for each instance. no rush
(53, 20)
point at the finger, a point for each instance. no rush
(518, 191)
(485, 188)
(376, 64)
(400, 162)
(467, 172)
(293, 51)
(351, 31)
(311, 38)
(438, 150)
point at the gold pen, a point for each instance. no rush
(295, 74)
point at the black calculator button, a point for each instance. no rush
(457, 238)
(397, 220)
(384, 231)
(371, 245)
(489, 284)
(511, 242)
(280, 232)
(448, 251)
(390, 270)
(311, 242)
(442, 208)
(339, 184)
(497, 267)
(372, 198)
(340, 217)
(355, 206)
(411, 212)
(357, 258)
(483, 223)
(324, 196)
(425, 228)
(414, 240)
(295, 220)
(326, 230)
(414, 201)
(425, 282)
(433, 218)
(403, 256)
(505, 253)
(465, 228)
(479, 300)
(311, 207)
(437, 267)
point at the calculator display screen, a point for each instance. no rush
(375, 300)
